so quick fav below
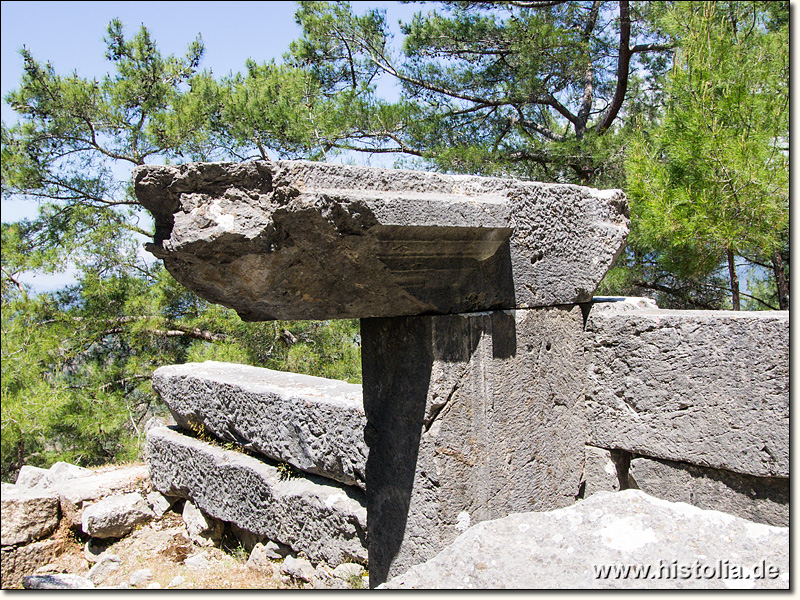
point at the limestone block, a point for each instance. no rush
(18, 561)
(29, 475)
(115, 516)
(709, 388)
(74, 493)
(61, 472)
(567, 548)
(470, 417)
(28, 514)
(314, 424)
(325, 520)
(759, 499)
(159, 503)
(303, 240)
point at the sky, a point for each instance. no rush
(70, 36)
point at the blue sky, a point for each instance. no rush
(70, 36)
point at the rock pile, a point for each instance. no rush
(124, 522)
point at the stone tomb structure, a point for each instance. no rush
(492, 384)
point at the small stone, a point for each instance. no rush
(106, 565)
(298, 568)
(139, 577)
(347, 570)
(154, 586)
(202, 529)
(159, 503)
(176, 581)
(258, 560)
(275, 551)
(197, 562)
(64, 581)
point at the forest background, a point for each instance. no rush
(683, 105)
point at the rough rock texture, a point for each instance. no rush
(28, 514)
(74, 493)
(470, 417)
(565, 548)
(59, 473)
(325, 520)
(314, 424)
(115, 516)
(303, 240)
(29, 476)
(709, 388)
(759, 499)
(18, 561)
(202, 529)
(601, 472)
(63, 581)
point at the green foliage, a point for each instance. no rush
(710, 180)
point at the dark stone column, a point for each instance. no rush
(469, 417)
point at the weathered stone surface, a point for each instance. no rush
(706, 387)
(18, 561)
(59, 473)
(29, 475)
(314, 424)
(28, 514)
(115, 516)
(565, 548)
(202, 529)
(759, 499)
(303, 240)
(297, 568)
(470, 417)
(159, 503)
(64, 581)
(325, 520)
(103, 568)
(600, 471)
(73, 493)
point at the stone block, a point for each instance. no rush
(324, 519)
(759, 499)
(73, 493)
(64, 581)
(28, 514)
(470, 417)
(202, 529)
(18, 561)
(61, 472)
(115, 516)
(303, 240)
(312, 423)
(29, 475)
(709, 388)
(659, 542)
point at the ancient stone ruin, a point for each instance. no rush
(493, 382)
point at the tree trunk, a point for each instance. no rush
(780, 281)
(734, 281)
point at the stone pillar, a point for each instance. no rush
(469, 417)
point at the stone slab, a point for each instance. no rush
(470, 417)
(601, 472)
(709, 388)
(28, 514)
(759, 499)
(659, 541)
(312, 423)
(325, 520)
(76, 492)
(303, 240)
